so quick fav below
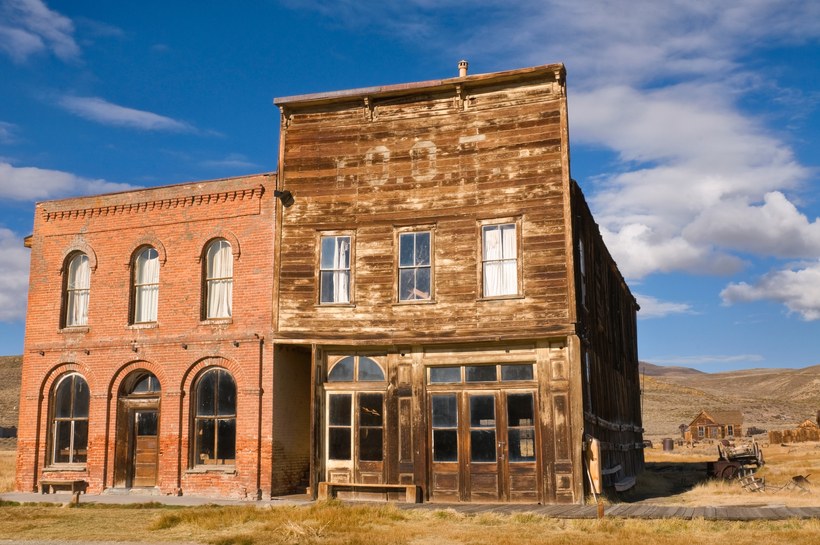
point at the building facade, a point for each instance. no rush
(435, 315)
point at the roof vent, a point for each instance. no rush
(462, 68)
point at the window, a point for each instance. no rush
(218, 279)
(700, 431)
(77, 289)
(510, 372)
(146, 286)
(414, 266)
(583, 268)
(730, 430)
(334, 270)
(215, 418)
(70, 421)
(361, 367)
(499, 260)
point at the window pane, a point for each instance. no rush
(79, 273)
(205, 393)
(445, 411)
(342, 371)
(516, 372)
(328, 252)
(369, 370)
(482, 445)
(62, 398)
(522, 445)
(445, 445)
(326, 281)
(339, 412)
(481, 373)
(508, 241)
(423, 283)
(147, 423)
(226, 440)
(81, 397)
(226, 394)
(80, 453)
(147, 384)
(519, 410)
(62, 441)
(370, 410)
(370, 444)
(482, 411)
(406, 250)
(339, 443)
(205, 440)
(407, 284)
(445, 374)
(422, 249)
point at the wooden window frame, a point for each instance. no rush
(68, 293)
(480, 224)
(397, 233)
(205, 295)
(134, 287)
(320, 235)
(194, 462)
(53, 419)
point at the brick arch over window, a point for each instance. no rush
(144, 242)
(136, 365)
(79, 247)
(212, 361)
(53, 374)
(227, 235)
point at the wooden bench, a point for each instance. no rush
(621, 485)
(48, 486)
(328, 490)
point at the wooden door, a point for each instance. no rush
(146, 448)
(445, 457)
(519, 444)
(485, 449)
(355, 437)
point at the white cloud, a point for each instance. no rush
(7, 131)
(32, 183)
(107, 113)
(232, 160)
(705, 359)
(652, 307)
(30, 27)
(14, 269)
(798, 290)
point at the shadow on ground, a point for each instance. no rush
(665, 480)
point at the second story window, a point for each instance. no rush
(414, 266)
(334, 270)
(77, 290)
(218, 279)
(499, 260)
(146, 286)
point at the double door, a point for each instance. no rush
(484, 445)
(355, 440)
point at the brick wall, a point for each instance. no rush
(178, 221)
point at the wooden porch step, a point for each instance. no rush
(329, 490)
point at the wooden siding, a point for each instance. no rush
(440, 161)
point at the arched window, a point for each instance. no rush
(362, 368)
(215, 418)
(70, 420)
(77, 289)
(142, 384)
(218, 279)
(146, 286)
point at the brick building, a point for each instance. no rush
(434, 317)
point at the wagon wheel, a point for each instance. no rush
(728, 472)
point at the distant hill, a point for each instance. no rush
(11, 368)
(770, 399)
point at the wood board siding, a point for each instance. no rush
(369, 167)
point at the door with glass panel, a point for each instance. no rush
(355, 422)
(483, 437)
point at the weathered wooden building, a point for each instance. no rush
(715, 425)
(433, 316)
(442, 280)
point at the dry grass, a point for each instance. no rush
(335, 523)
(7, 470)
(679, 477)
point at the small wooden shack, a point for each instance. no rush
(715, 425)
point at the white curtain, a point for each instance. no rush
(220, 279)
(146, 286)
(77, 291)
(500, 260)
(341, 273)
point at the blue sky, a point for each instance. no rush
(694, 129)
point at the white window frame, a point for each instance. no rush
(338, 268)
(506, 283)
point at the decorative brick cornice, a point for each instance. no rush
(182, 201)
